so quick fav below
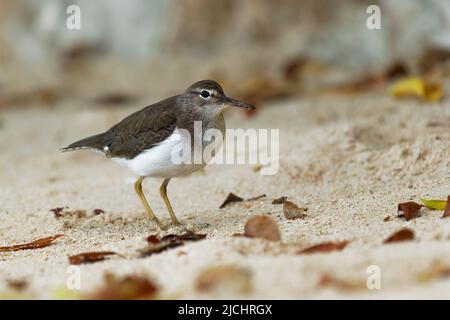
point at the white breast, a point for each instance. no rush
(158, 162)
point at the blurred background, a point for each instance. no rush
(352, 146)
(258, 49)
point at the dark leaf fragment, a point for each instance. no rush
(89, 257)
(230, 199)
(409, 209)
(325, 247)
(401, 235)
(39, 243)
(58, 211)
(280, 200)
(157, 245)
(447, 208)
(153, 239)
(98, 211)
(256, 198)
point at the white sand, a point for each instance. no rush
(350, 161)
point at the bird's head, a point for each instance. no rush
(209, 95)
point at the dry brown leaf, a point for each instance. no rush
(57, 211)
(263, 227)
(18, 284)
(447, 208)
(292, 211)
(409, 209)
(89, 257)
(280, 200)
(96, 212)
(153, 239)
(328, 280)
(187, 236)
(325, 247)
(39, 243)
(256, 198)
(224, 280)
(60, 212)
(127, 288)
(404, 234)
(157, 245)
(230, 199)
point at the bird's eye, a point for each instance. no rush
(205, 94)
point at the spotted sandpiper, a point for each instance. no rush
(144, 141)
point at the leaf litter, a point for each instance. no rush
(156, 245)
(36, 244)
(90, 257)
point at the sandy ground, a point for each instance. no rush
(349, 161)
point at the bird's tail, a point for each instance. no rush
(96, 142)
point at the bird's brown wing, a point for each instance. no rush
(139, 131)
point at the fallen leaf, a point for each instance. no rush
(62, 212)
(230, 199)
(328, 280)
(325, 247)
(256, 198)
(57, 211)
(131, 287)
(263, 227)
(18, 284)
(434, 204)
(39, 243)
(157, 245)
(89, 257)
(447, 208)
(417, 87)
(96, 212)
(292, 211)
(153, 239)
(280, 200)
(409, 209)
(401, 235)
(187, 236)
(224, 280)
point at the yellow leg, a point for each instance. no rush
(138, 189)
(163, 191)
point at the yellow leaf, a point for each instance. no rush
(434, 204)
(417, 87)
(433, 92)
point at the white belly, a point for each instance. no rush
(158, 161)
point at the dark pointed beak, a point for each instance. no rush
(230, 102)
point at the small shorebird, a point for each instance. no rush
(144, 141)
